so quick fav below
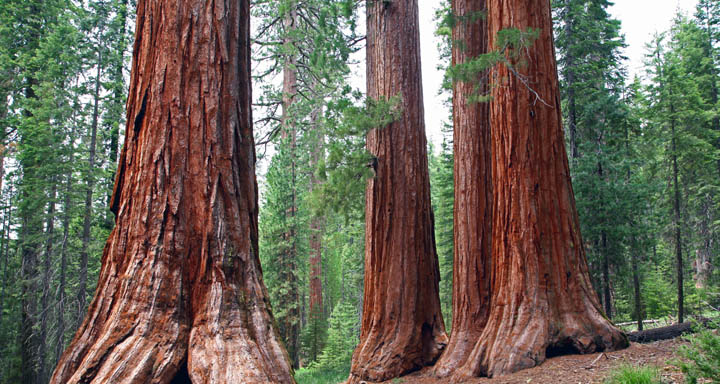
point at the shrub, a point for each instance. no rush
(702, 358)
(318, 376)
(341, 340)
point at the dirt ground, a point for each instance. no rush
(580, 369)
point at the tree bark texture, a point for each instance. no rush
(473, 192)
(402, 326)
(542, 301)
(317, 223)
(180, 292)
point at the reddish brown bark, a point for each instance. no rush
(542, 302)
(316, 297)
(473, 192)
(180, 292)
(317, 225)
(402, 326)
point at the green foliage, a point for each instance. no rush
(443, 198)
(49, 62)
(701, 358)
(320, 376)
(348, 164)
(508, 51)
(341, 341)
(314, 335)
(629, 374)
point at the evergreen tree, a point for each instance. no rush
(442, 190)
(592, 83)
(676, 114)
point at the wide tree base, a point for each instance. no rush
(533, 337)
(229, 339)
(395, 359)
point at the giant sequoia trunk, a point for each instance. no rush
(542, 302)
(473, 192)
(180, 293)
(402, 326)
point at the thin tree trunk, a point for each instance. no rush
(60, 336)
(90, 180)
(6, 259)
(402, 325)
(31, 220)
(5, 254)
(290, 322)
(703, 259)
(636, 289)
(607, 296)
(542, 301)
(678, 229)
(118, 98)
(317, 229)
(29, 339)
(606, 275)
(570, 78)
(317, 224)
(180, 294)
(473, 192)
(634, 257)
(47, 266)
(713, 74)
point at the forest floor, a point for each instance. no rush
(581, 369)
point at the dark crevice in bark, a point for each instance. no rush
(182, 376)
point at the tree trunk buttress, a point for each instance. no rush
(180, 289)
(542, 301)
(402, 326)
(473, 193)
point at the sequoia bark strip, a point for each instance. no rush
(317, 223)
(180, 290)
(402, 326)
(473, 192)
(542, 302)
